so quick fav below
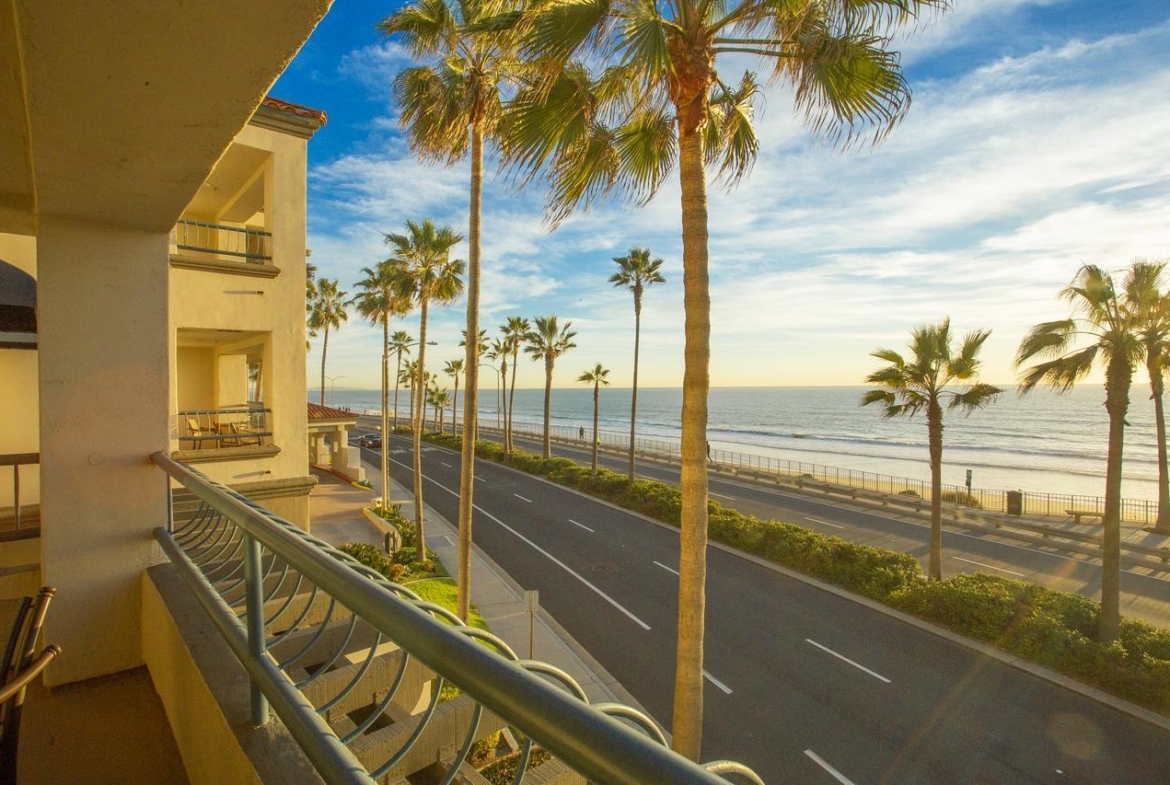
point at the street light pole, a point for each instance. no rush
(332, 381)
(499, 394)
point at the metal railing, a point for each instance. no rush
(347, 658)
(22, 521)
(232, 426)
(251, 245)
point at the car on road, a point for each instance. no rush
(371, 440)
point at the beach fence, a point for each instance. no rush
(1060, 505)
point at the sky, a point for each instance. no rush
(1038, 140)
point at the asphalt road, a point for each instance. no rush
(804, 686)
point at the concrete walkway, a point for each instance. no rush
(337, 518)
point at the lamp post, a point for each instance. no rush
(499, 394)
(332, 381)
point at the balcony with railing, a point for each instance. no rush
(373, 683)
(19, 513)
(227, 433)
(222, 248)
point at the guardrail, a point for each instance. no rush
(251, 245)
(15, 524)
(343, 656)
(232, 426)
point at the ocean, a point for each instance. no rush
(1041, 443)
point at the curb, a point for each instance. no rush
(1094, 694)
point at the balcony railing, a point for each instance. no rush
(248, 245)
(361, 670)
(234, 426)
(20, 521)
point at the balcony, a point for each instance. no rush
(20, 519)
(236, 250)
(225, 434)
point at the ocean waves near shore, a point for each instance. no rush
(1042, 442)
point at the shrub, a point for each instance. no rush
(910, 492)
(374, 559)
(962, 498)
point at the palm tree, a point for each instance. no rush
(1152, 314)
(597, 377)
(379, 298)
(635, 272)
(400, 343)
(906, 388)
(433, 276)
(453, 368)
(515, 331)
(547, 341)
(449, 109)
(1107, 321)
(500, 349)
(479, 350)
(328, 312)
(662, 98)
(310, 296)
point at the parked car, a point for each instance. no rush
(371, 440)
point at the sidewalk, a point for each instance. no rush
(336, 508)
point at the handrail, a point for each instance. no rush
(16, 460)
(205, 237)
(599, 746)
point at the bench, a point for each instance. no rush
(1078, 514)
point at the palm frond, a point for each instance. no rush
(1061, 373)
(1048, 339)
(974, 397)
(646, 150)
(425, 24)
(730, 141)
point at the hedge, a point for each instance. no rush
(1051, 628)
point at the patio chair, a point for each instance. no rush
(17, 670)
(244, 435)
(199, 434)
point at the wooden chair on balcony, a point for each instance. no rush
(199, 434)
(243, 434)
(19, 666)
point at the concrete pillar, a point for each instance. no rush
(105, 399)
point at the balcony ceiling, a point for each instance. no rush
(115, 113)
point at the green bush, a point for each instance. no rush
(373, 558)
(910, 492)
(962, 498)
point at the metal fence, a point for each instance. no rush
(371, 680)
(250, 245)
(21, 521)
(231, 426)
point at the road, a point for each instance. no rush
(803, 685)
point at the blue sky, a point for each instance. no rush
(1038, 140)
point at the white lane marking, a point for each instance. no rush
(481, 479)
(826, 523)
(846, 659)
(841, 778)
(711, 678)
(583, 526)
(521, 498)
(720, 495)
(988, 566)
(666, 567)
(445, 464)
(551, 558)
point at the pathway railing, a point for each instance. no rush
(241, 244)
(343, 656)
(21, 521)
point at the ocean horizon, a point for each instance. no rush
(1043, 442)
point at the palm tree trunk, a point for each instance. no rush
(935, 431)
(687, 722)
(1157, 389)
(397, 382)
(634, 397)
(502, 402)
(471, 361)
(596, 395)
(385, 412)
(1118, 377)
(548, 372)
(455, 405)
(324, 351)
(512, 398)
(418, 413)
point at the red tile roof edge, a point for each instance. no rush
(319, 412)
(297, 109)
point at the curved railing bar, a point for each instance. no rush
(537, 666)
(381, 707)
(304, 614)
(633, 715)
(353, 620)
(721, 767)
(522, 761)
(322, 627)
(357, 678)
(465, 750)
(292, 595)
(424, 719)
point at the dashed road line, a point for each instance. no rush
(988, 566)
(843, 658)
(583, 526)
(826, 523)
(714, 680)
(668, 569)
(824, 764)
(521, 498)
(720, 495)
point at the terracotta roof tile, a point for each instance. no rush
(297, 109)
(318, 412)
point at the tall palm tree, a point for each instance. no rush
(1151, 307)
(433, 276)
(400, 343)
(310, 297)
(547, 341)
(380, 297)
(908, 387)
(449, 109)
(515, 332)
(635, 272)
(500, 349)
(479, 351)
(597, 377)
(1104, 320)
(327, 313)
(453, 368)
(663, 99)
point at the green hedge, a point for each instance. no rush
(1054, 629)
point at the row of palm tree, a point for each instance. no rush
(605, 98)
(1115, 326)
